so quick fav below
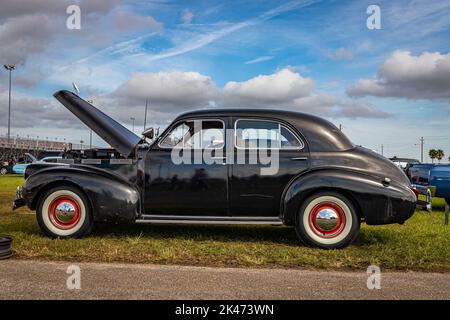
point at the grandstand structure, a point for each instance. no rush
(18, 146)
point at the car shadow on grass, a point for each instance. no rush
(268, 234)
(275, 234)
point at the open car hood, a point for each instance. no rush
(119, 137)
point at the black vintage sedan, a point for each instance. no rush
(222, 166)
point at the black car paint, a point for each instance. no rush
(113, 193)
(153, 185)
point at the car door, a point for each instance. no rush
(178, 179)
(253, 192)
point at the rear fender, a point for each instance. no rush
(376, 203)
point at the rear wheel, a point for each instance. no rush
(3, 171)
(63, 212)
(327, 220)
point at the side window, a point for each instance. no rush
(195, 135)
(212, 134)
(176, 137)
(288, 139)
(251, 134)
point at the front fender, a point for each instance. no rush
(112, 198)
(375, 202)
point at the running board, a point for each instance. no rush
(163, 219)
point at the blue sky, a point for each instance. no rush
(389, 86)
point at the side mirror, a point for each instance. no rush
(149, 133)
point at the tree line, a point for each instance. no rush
(437, 154)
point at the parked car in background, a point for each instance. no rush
(324, 185)
(49, 153)
(20, 166)
(6, 167)
(424, 199)
(434, 176)
(54, 159)
(404, 163)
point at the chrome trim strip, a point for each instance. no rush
(66, 161)
(91, 161)
(299, 158)
(158, 221)
(121, 161)
(208, 218)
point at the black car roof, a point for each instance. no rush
(320, 134)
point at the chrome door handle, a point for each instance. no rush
(299, 158)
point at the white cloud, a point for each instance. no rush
(128, 21)
(259, 59)
(282, 86)
(27, 111)
(168, 90)
(289, 90)
(339, 54)
(29, 27)
(321, 105)
(187, 16)
(359, 109)
(404, 75)
(24, 35)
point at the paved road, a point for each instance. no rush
(47, 280)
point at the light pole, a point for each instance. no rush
(10, 68)
(145, 114)
(90, 132)
(132, 119)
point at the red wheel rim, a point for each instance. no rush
(327, 219)
(64, 212)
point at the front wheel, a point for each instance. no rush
(3, 171)
(64, 212)
(327, 220)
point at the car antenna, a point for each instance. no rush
(75, 87)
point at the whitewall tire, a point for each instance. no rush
(64, 211)
(327, 220)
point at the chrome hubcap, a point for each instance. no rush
(327, 219)
(65, 212)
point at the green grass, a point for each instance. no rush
(422, 243)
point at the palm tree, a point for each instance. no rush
(432, 153)
(439, 154)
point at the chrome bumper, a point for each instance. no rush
(424, 198)
(18, 201)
